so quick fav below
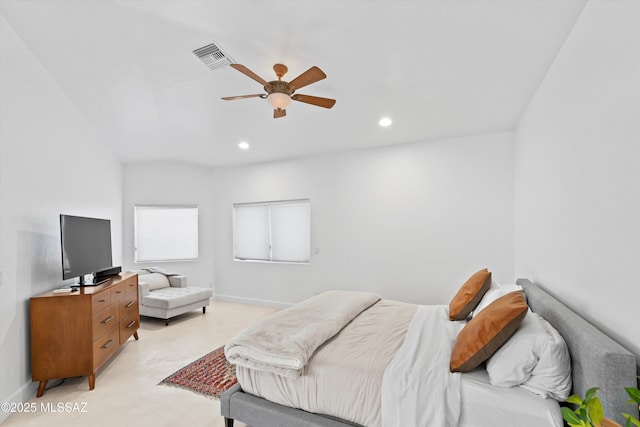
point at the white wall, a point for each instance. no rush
(577, 180)
(50, 163)
(410, 222)
(172, 183)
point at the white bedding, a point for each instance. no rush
(344, 379)
(344, 376)
(283, 342)
(420, 370)
(486, 405)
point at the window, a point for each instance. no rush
(272, 231)
(166, 233)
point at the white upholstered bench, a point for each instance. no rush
(166, 296)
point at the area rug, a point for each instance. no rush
(211, 375)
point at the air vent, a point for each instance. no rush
(213, 57)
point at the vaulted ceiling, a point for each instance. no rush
(437, 68)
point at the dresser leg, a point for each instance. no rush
(41, 387)
(135, 335)
(228, 422)
(92, 381)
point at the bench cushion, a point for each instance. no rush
(168, 298)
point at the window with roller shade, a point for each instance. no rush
(165, 233)
(272, 231)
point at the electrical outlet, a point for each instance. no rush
(316, 251)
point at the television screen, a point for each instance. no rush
(86, 245)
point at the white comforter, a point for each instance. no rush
(283, 342)
(417, 387)
(344, 377)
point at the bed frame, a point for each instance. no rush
(597, 361)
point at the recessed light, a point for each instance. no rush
(385, 122)
(244, 145)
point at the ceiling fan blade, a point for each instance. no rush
(247, 72)
(312, 75)
(257, 95)
(314, 100)
(278, 112)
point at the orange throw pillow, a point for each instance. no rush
(486, 332)
(469, 295)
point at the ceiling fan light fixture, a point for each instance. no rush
(279, 100)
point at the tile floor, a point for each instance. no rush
(127, 390)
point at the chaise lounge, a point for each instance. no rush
(165, 295)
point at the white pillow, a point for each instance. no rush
(552, 375)
(495, 291)
(155, 281)
(536, 358)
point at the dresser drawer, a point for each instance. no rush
(100, 301)
(128, 326)
(118, 291)
(104, 321)
(105, 346)
(127, 306)
(131, 285)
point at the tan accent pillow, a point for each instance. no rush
(469, 295)
(485, 333)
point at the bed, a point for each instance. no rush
(596, 360)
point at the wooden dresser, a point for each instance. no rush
(74, 334)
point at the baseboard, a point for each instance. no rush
(22, 395)
(251, 301)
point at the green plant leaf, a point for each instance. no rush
(591, 394)
(575, 399)
(584, 415)
(571, 417)
(631, 420)
(594, 408)
(634, 393)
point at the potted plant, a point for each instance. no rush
(589, 412)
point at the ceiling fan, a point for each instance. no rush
(280, 93)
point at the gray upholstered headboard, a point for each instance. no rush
(596, 360)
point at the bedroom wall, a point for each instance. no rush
(410, 222)
(46, 168)
(167, 184)
(577, 179)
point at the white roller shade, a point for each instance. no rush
(166, 233)
(251, 232)
(290, 232)
(272, 231)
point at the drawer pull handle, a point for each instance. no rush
(107, 320)
(102, 300)
(108, 344)
(133, 322)
(118, 292)
(130, 304)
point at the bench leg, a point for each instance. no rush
(204, 309)
(166, 322)
(228, 422)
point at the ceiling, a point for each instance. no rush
(437, 68)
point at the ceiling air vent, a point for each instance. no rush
(213, 57)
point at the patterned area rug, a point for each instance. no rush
(210, 375)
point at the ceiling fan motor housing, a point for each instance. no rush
(279, 86)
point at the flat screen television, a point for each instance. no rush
(86, 247)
